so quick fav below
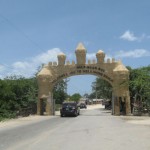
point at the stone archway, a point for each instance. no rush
(112, 71)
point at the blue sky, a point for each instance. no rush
(35, 31)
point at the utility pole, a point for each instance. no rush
(66, 81)
(96, 91)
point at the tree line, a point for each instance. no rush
(19, 95)
(139, 87)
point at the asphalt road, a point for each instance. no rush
(92, 130)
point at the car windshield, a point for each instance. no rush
(69, 104)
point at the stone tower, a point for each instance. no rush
(61, 59)
(100, 55)
(80, 54)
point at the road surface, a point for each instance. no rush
(94, 129)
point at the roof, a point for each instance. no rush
(61, 55)
(121, 67)
(80, 47)
(45, 71)
(100, 52)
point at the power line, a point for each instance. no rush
(21, 32)
(4, 65)
(12, 71)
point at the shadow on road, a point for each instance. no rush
(105, 111)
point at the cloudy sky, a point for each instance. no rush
(33, 32)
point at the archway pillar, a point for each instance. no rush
(120, 92)
(128, 106)
(117, 106)
(50, 105)
(115, 102)
(50, 109)
(39, 110)
(45, 93)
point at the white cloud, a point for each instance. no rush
(24, 68)
(91, 56)
(137, 53)
(21, 65)
(2, 68)
(129, 36)
(29, 68)
(50, 55)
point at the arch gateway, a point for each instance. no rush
(112, 71)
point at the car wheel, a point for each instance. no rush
(61, 115)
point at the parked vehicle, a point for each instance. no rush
(107, 104)
(82, 105)
(69, 109)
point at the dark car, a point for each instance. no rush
(107, 104)
(69, 109)
(82, 105)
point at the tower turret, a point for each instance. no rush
(100, 55)
(61, 59)
(80, 54)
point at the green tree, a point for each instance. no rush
(59, 92)
(139, 84)
(16, 93)
(75, 97)
(101, 89)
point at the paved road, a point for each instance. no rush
(92, 130)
